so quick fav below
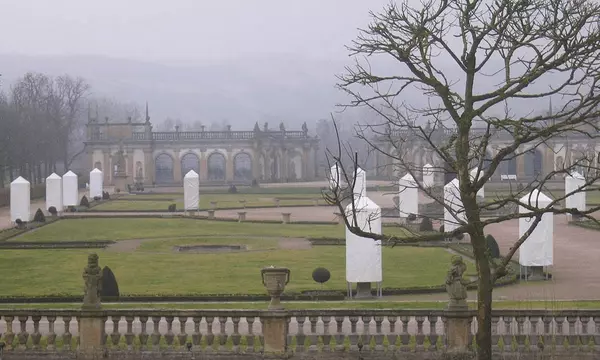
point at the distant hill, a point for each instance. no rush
(269, 88)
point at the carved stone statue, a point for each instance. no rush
(92, 277)
(281, 127)
(139, 172)
(120, 160)
(456, 286)
(266, 126)
(304, 128)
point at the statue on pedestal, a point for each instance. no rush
(92, 276)
(456, 286)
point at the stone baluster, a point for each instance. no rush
(36, 336)
(129, 335)
(366, 335)
(495, 337)
(210, 337)
(155, 337)
(379, 337)
(169, 336)
(23, 334)
(9, 335)
(313, 337)
(300, 336)
(250, 338)
(584, 337)
(433, 336)
(236, 337)
(67, 334)
(196, 335)
(534, 337)
(354, 337)
(261, 337)
(115, 335)
(405, 336)
(507, 334)
(326, 333)
(548, 338)
(182, 336)
(573, 336)
(392, 336)
(420, 337)
(103, 334)
(597, 332)
(559, 337)
(521, 337)
(143, 333)
(222, 333)
(51, 337)
(339, 333)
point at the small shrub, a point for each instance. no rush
(426, 225)
(492, 246)
(442, 228)
(118, 191)
(232, 189)
(52, 210)
(172, 207)
(71, 208)
(20, 224)
(39, 216)
(412, 217)
(321, 275)
(105, 195)
(84, 202)
(97, 198)
(459, 236)
(254, 183)
(110, 287)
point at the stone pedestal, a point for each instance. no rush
(274, 328)
(363, 290)
(458, 330)
(90, 336)
(286, 217)
(120, 181)
(241, 216)
(535, 273)
(211, 214)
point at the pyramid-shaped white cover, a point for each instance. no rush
(538, 249)
(54, 192)
(363, 255)
(428, 176)
(20, 200)
(453, 201)
(408, 196)
(70, 189)
(575, 185)
(191, 191)
(96, 183)
(473, 173)
(360, 184)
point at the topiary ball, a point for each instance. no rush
(321, 275)
(52, 210)
(412, 217)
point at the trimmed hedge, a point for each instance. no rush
(55, 245)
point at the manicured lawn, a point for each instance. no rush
(44, 272)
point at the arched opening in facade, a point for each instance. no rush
(164, 169)
(508, 165)
(533, 163)
(190, 161)
(216, 167)
(242, 167)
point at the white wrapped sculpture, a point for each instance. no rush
(360, 184)
(408, 196)
(20, 200)
(474, 176)
(70, 189)
(191, 191)
(537, 250)
(54, 196)
(96, 183)
(575, 185)
(363, 255)
(335, 177)
(428, 178)
(453, 201)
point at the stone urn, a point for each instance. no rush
(275, 279)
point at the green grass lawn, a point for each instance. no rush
(43, 272)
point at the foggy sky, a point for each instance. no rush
(182, 31)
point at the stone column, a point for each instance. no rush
(305, 157)
(130, 168)
(283, 172)
(203, 165)
(229, 165)
(255, 161)
(548, 161)
(275, 332)
(148, 167)
(177, 167)
(520, 166)
(315, 162)
(106, 166)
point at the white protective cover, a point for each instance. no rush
(191, 191)
(70, 191)
(537, 250)
(20, 200)
(54, 192)
(360, 184)
(452, 200)
(335, 177)
(575, 182)
(473, 175)
(96, 183)
(363, 255)
(408, 196)
(428, 178)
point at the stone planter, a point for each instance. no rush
(211, 214)
(285, 217)
(276, 202)
(275, 279)
(241, 216)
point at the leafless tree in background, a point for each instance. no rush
(474, 61)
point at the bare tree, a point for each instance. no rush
(474, 62)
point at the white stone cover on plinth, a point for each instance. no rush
(70, 189)
(54, 192)
(96, 185)
(363, 255)
(191, 191)
(335, 177)
(360, 184)
(453, 201)
(20, 200)
(408, 196)
(575, 182)
(428, 176)
(473, 173)
(538, 249)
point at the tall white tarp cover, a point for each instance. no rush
(428, 178)
(191, 191)
(473, 173)
(20, 200)
(452, 200)
(335, 177)
(54, 192)
(96, 183)
(408, 196)
(70, 191)
(360, 184)
(575, 182)
(537, 250)
(363, 255)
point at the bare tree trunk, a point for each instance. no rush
(484, 303)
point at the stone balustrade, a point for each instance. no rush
(241, 331)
